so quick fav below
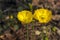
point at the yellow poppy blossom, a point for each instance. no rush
(25, 16)
(43, 15)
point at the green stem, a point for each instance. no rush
(33, 33)
(27, 33)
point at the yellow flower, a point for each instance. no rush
(43, 15)
(11, 16)
(25, 16)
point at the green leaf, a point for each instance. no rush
(16, 27)
(31, 7)
(1, 29)
(6, 26)
(19, 8)
(1, 14)
(54, 29)
(46, 38)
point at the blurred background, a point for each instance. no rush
(12, 29)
